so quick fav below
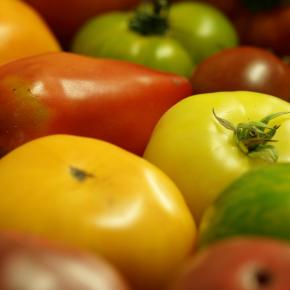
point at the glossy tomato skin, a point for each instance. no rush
(112, 100)
(23, 32)
(94, 195)
(65, 25)
(243, 68)
(28, 262)
(199, 154)
(195, 31)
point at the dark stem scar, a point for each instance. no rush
(80, 174)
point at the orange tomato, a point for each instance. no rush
(94, 195)
(23, 32)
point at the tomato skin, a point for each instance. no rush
(107, 99)
(65, 25)
(199, 154)
(184, 44)
(228, 6)
(269, 29)
(26, 261)
(243, 68)
(238, 263)
(94, 195)
(23, 32)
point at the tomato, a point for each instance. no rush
(261, 196)
(66, 16)
(23, 32)
(28, 262)
(241, 263)
(202, 156)
(227, 6)
(259, 23)
(269, 29)
(107, 99)
(97, 196)
(243, 68)
(174, 42)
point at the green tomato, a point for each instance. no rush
(172, 42)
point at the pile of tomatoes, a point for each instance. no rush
(121, 123)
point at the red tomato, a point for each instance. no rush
(27, 263)
(243, 69)
(112, 100)
(66, 16)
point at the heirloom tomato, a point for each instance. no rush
(28, 262)
(23, 32)
(60, 92)
(171, 39)
(269, 29)
(206, 141)
(75, 13)
(97, 196)
(243, 68)
(261, 197)
(262, 23)
(242, 263)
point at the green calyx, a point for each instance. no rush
(253, 138)
(151, 20)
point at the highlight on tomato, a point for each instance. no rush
(96, 196)
(172, 38)
(56, 93)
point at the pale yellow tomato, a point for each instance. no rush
(201, 155)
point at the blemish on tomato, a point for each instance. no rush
(80, 174)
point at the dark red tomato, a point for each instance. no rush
(243, 68)
(270, 29)
(112, 100)
(28, 263)
(66, 16)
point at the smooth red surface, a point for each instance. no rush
(66, 16)
(28, 263)
(112, 100)
(238, 264)
(243, 68)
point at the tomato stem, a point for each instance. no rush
(253, 137)
(151, 19)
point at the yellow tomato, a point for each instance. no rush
(23, 32)
(95, 195)
(202, 156)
